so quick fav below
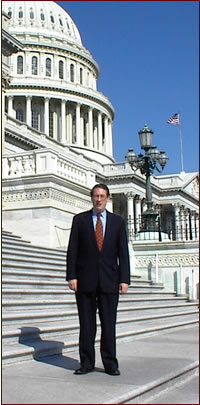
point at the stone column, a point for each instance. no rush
(69, 125)
(177, 221)
(63, 121)
(55, 124)
(46, 116)
(82, 130)
(106, 147)
(28, 111)
(197, 225)
(181, 219)
(193, 214)
(95, 131)
(110, 137)
(90, 134)
(130, 214)
(187, 227)
(78, 124)
(11, 111)
(100, 143)
(137, 213)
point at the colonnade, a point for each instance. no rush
(66, 121)
(135, 207)
(187, 223)
(181, 224)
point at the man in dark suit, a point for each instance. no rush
(98, 269)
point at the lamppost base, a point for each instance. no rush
(150, 237)
(149, 221)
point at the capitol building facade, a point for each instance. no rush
(58, 142)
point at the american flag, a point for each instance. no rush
(174, 119)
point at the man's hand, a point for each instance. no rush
(123, 288)
(73, 285)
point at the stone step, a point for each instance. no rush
(29, 304)
(19, 271)
(32, 275)
(21, 312)
(32, 258)
(34, 283)
(15, 241)
(38, 347)
(16, 318)
(10, 236)
(11, 281)
(180, 383)
(40, 290)
(27, 273)
(20, 249)
(32, 264)
(71, 326)
(15, 267)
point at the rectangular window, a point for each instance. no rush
(35, 120)
(51, 124)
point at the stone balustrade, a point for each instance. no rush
(46, 162)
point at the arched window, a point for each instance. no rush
(61, 69)
(31, 14)
(10, 13)
(60, 21)
(42, 17)
(20, 15)
(68, 27)
(34, 65)
(52, 18)
(35, 119)
(48, 67)
(19, 114)
(81, 75)
(20, 65)
(72, 72)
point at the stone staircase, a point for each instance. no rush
(39, 315)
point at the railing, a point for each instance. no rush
(184, 228)
(45, 161)
(63, 235)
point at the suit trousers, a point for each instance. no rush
(106, 303)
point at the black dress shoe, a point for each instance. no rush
(81, 371)
(112, 372)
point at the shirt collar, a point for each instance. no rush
(103, 213)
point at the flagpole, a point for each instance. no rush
(175, 120)
(181, 144)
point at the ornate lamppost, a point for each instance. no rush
(146, 164)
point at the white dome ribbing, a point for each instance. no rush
(43, 17)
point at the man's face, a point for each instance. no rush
(99, 199)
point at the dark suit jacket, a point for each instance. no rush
(105, 269)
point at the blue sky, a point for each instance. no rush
(147, 52)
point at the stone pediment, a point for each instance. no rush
(193, 187)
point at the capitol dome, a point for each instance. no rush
(53, 81)
(44, 17)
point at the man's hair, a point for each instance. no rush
(100, 186)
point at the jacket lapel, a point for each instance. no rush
(90, 226)
(108, 229)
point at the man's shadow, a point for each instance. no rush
(46, 351)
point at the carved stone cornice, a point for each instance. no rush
(47, 193)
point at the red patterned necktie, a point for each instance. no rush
(99, 232)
